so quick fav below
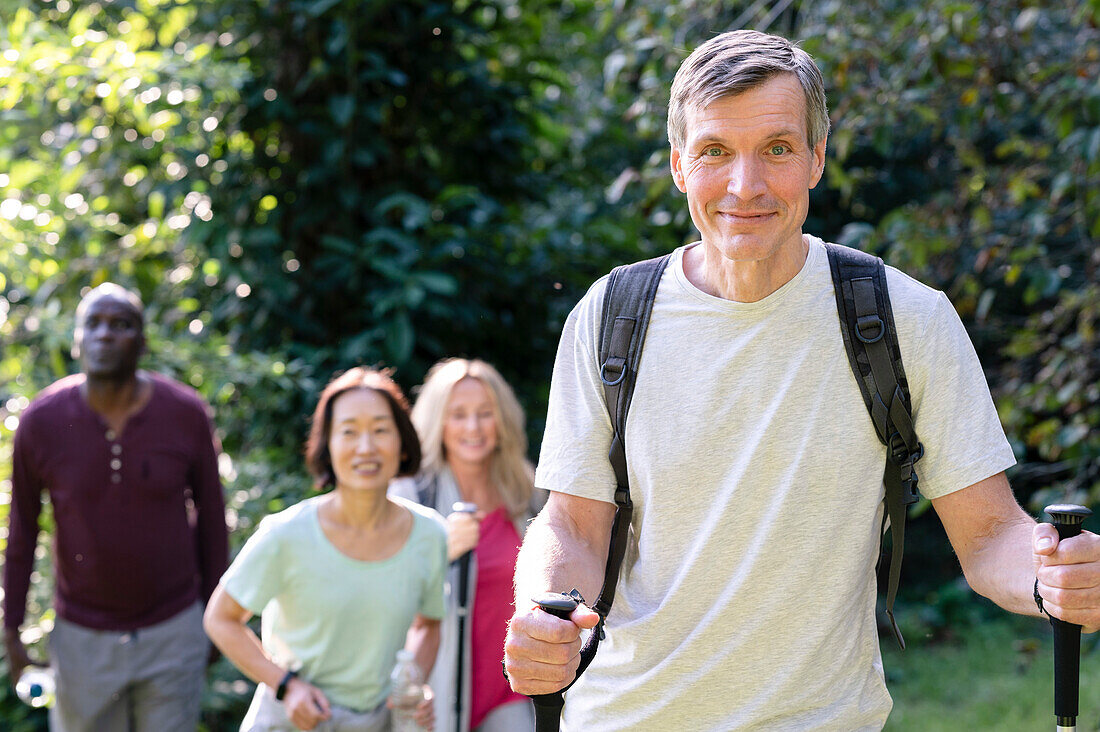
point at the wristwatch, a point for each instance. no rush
(280, 692)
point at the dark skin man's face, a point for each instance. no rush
(109, 339)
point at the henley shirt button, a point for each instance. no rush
(80, 557)
(116, 449)
(111, 435)
(116, 464)
(116, 478)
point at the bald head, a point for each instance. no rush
(115, 292)
(109, 337)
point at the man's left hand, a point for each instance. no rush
(1069, 575)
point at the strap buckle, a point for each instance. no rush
(616, 367)
(905, 458)
(870, 322)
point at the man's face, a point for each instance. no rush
(747, 170)
(109, 338)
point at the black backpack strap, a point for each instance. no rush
(627, 304)
(871, 340)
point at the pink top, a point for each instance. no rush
(497, 550)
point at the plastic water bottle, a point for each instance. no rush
(36, 686)
(407, 692)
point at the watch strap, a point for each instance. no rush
(280, 691)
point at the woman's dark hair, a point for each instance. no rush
(318, 459)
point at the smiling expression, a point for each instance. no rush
(747, 170)
(469, 423)
(364, 444)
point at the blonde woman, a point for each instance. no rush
(475, 451)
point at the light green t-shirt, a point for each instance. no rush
(338, 620)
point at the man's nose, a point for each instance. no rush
(746, 177)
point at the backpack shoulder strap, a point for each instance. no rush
(427, 490)
(627, 305)
(871, 340)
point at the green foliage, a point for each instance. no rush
(998, 674)
(964, 133)
(297, 186)
(375, 207)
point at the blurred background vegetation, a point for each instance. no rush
(298, 186)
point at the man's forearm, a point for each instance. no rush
(1004, 569)
(992, 537)
(564, 549)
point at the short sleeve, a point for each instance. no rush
(255, 575)
(954, 414)
(431, 599)
(573, 458)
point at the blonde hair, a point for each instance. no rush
(510, 471)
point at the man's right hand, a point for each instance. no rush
(542, 652)
(17, 654)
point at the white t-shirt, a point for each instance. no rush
(746, 599)
(339, 621)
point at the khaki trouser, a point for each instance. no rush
(267, 714)
(147, 680)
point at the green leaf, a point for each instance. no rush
(342, 107)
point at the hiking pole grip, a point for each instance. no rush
(1067, 519)
(548, 706)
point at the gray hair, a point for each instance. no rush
(735, 62)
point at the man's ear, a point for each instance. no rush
(674, 160)
(818, 154)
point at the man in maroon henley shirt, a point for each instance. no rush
(129, 461)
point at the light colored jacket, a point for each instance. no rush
(440, 491)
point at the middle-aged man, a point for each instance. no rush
(129, 461)
(746, 599)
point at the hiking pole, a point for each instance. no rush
(463, 594)
(1067, 520)
(548, 706)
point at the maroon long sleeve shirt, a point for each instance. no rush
(139, 516)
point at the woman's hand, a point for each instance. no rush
(305, 704)
(425, 710)
(463, 533)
